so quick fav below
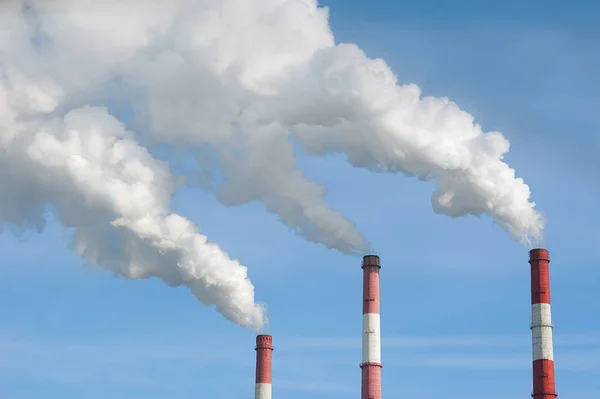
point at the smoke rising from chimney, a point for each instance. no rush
(240, 77)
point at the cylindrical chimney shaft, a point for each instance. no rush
(371, 338)
(264, 367)
(541, 326)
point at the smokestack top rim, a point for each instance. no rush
(371, 261)
(539, 254)
(264, 341)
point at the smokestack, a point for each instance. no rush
(264, 366)
(371, 339)
(541, 326)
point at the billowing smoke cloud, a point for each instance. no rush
(116, 196)
(240, 77)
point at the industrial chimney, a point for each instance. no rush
(371, 339)
(541, 326)
(264, 366)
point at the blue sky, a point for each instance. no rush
(455, 293)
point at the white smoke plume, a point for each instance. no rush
(240, 77)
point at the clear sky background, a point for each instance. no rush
(455, 293)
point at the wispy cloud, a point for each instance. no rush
(302, 363)
(139, 363)
(574, 352)
(121, 352)
(580, 361)
(311, 386)
(482, 362)
(490, 341)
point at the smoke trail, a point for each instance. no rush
(389, 128)
(239, 77)
(98, 180)
(250, 86)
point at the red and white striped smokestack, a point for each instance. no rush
(541, 326)
(371, 338)
(264, 366)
